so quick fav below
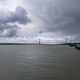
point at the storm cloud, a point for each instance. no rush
(10, 21)
(58, 16)
(67, 18)
(55, 18)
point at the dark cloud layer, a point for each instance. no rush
(68, 23)
(64, 18)
(9, 21)
(8, 30)
(59, 16)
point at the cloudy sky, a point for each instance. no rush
(22, 20)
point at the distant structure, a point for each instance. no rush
(68, 40)
(71, 40)
(39, 38)
(39, 41)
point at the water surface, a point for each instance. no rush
(39, 62)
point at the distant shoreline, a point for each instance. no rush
(62, 44)
(70, 44)
(25, 44)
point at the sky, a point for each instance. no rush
(22, 20)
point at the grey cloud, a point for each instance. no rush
(8, 20)
(59, 16)
(8, 33)
(18, 16)
(8, 30)
(2, 0)
(68, 23)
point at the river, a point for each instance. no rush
(39, 62)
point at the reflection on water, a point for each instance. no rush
(37, 62)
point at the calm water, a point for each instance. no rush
(36, 62)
